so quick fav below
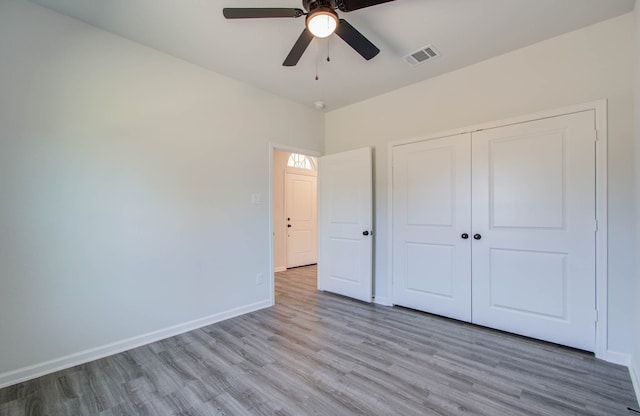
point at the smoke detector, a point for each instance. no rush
(422, 55)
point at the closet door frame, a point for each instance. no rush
(600, 109)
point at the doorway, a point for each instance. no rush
(344, 219)
(294, 210)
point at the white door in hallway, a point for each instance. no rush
(431, 215)
(345, 224)
(301, 219)
(534, 214)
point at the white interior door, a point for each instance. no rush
(345, 224)
(431, 226)
(301, 219)
(534, 212)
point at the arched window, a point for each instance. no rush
(301, 162)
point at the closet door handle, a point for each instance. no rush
(477, 236)
(464, 236)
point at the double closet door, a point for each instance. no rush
(497, 227)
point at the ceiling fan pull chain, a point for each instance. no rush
(328, 48)
(317, 53)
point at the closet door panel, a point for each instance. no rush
(431, 210)
(533, 270)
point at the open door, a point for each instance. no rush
(345, 224)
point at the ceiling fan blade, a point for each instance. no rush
(298, 49)
(259, 13)
(351, 5)
(356, 40)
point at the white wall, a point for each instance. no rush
(126, 178)
(635, 362)
(582, 66)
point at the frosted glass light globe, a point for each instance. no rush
(322, 23)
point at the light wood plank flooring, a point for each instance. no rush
(321, 354)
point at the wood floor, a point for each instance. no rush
(321, 354)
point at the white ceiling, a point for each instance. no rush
(463, 31)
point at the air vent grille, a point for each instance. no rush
(422, 55)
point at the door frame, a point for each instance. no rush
(283, 148)
(601, 255)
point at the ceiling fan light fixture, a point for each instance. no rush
(322, 22)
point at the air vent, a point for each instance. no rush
(422, 55)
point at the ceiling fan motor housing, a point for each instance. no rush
(311, 5)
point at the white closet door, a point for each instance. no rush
(431, 212)
(534, 211)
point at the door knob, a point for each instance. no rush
(464, 236)
(365, 233)
(477, 236)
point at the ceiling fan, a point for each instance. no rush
(322, 20)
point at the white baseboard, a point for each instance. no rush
(634, 372)
(626, 360)
(280, 269)
(616, 357)
(57, 364)
(383, 300)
